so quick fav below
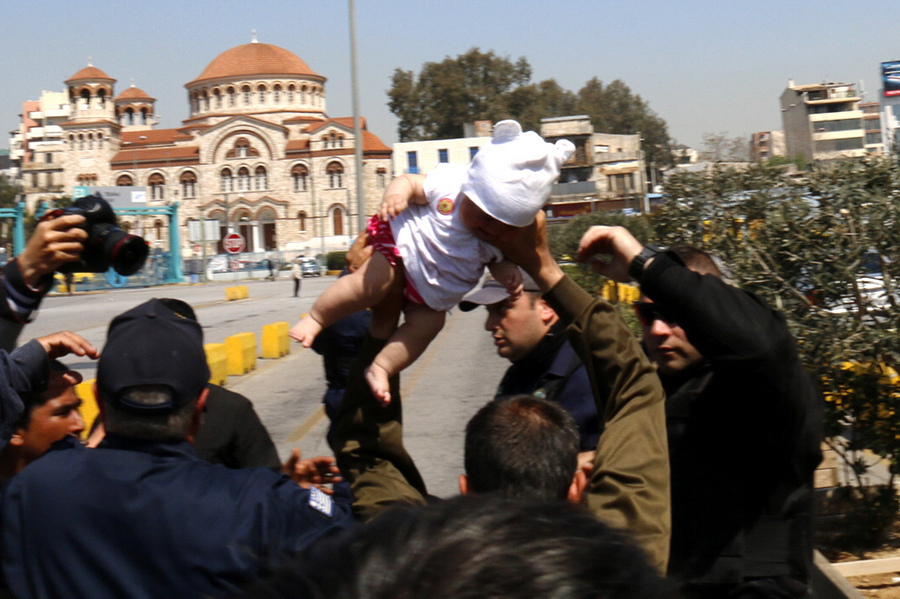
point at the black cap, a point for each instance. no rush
(152, 345)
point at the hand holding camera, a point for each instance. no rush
(91, 224)
(54, 243)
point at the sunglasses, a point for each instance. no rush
(648, 312)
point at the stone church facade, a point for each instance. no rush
(258, 153)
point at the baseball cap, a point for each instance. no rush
(493, 292)
(511, 177)
(152, 345)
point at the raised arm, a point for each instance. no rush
(629, 486)
(368, 443)
(400, 193)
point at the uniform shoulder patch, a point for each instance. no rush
(321, 502)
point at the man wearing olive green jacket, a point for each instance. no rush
(629, 482)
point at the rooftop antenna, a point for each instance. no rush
(253, 39)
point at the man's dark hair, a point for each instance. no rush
(521, 446)
(472, 546)
(38, 396)
(697, 260)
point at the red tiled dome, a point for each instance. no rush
(90, 72)
(134, 93)
(253, 60)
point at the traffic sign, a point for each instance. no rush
(234, 243)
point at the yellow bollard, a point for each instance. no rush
(275, 342)
(89, 410)
(217, 359)
(241, 351)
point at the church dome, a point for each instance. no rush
(255, 60)
(89, 73)
(134, 93)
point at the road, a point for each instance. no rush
(452, 379)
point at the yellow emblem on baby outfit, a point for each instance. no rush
(445, 206)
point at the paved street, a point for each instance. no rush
(454, 377)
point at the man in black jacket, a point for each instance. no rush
(743, 420)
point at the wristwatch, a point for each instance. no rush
(636, 269)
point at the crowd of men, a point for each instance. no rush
(602, 466)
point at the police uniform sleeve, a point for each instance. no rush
(368, 443)
(629, 486)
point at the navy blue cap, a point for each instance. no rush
(152, 345)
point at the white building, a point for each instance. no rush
(822, 121)
(420, 157)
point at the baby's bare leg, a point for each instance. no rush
(421, 325)
(365, 287)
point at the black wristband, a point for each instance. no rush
(636, 269)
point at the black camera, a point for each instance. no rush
(107, 245)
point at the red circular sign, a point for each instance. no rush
(234, 243)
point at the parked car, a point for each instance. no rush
(309, 267)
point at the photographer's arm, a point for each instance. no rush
(28, 277)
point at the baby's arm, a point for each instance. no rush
(399, 193)
(507, 274)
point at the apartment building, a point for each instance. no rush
(37, 146)
(421, 157)
(766, 145)
(823, 121)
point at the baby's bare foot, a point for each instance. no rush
(379, 382)
(305, 331)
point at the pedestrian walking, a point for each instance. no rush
(297, 274)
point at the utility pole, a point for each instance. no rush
(357, 128)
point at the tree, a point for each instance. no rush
(613, 108)
(448, 94)
(9, 193)
(814, 248)
(436, 103)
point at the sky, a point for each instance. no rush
(705, 66)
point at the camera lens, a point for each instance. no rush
(126, 253)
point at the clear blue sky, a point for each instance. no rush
(703, 65)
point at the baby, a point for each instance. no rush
(432, 241)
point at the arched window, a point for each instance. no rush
(381, 175)
(291, 94)
(144, 116)
(188, 185)
(243, 148)
(262, 94)
(102, 95)
(204, 101)
(100, 142)
(90, 141)
(340, 141)
(124, 181)
(337, 221)
(299, 175)
(303, 95)
(85, 98)
(80, 142)
(226, 183)
(243, 179)
(276, 95)
(335, 175)
(301, 220)
(158, 225)
(218, 96)
(129, 116)
(157, 186)
(246, 92)
(231, 97)
(262, 179)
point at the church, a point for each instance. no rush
(258, 153)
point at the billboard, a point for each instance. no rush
(118, 197)
(890, 73)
